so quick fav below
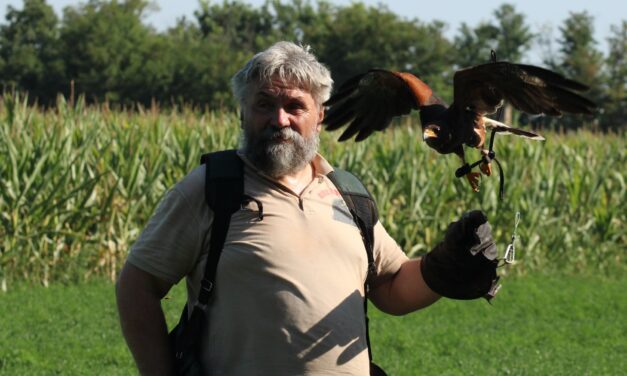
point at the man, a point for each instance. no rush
(289, 288)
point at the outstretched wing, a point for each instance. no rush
(529, 88)
(370, 101)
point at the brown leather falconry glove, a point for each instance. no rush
(463, 265)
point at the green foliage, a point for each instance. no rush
(615, 102)
(238, 25)
(537, 325)
(198, 67)
(29, 53)
(385, 41)
(77, 184)
(103, 50)
(580, 59)
(510, 38)
(333, 32)
(473, 46)
(514, 37)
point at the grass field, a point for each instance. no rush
(538, 325)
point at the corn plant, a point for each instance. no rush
(78, 183)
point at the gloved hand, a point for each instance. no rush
(463, 265)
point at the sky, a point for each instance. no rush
(539, 13)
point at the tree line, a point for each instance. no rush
(104, 51)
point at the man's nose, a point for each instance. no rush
(281, 118)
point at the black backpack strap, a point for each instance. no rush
(364, 210)
(362, 206)
(224, 191)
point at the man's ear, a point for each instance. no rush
(320, 119)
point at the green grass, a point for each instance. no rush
(538, 325)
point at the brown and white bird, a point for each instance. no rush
(368, 102)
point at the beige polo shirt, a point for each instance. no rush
(289, 288)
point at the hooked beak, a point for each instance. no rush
(428, 133)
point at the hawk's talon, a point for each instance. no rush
(473, 179)
(486, 159)
(486, 168)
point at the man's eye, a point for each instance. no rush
(264, 104)
(295, 107)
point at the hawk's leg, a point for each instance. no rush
(486, 165)
(466, 169)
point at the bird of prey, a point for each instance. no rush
(368, 102)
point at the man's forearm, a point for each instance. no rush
(143, 325)
(405, 292)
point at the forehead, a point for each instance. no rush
(280, 89)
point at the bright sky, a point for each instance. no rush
(539, 13)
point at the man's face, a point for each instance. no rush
(281, 125)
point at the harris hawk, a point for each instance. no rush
(368, 102)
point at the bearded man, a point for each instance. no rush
(289, 288)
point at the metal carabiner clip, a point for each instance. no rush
(510, 251)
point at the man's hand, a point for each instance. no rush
(463, 265)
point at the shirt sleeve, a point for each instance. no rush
(172, 241)
(388, 256)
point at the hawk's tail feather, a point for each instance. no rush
(506, 129)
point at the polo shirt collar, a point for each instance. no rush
(320, 165)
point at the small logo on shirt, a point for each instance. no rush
(328, 192)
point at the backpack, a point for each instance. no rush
(224, 193)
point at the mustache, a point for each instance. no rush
(279, 134)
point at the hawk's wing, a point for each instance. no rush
(371, 100)
(531, 89)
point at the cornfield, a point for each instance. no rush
(78, 183)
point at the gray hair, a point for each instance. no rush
(290, 63)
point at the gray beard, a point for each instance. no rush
(275, 158)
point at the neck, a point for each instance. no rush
(299, 180)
